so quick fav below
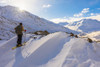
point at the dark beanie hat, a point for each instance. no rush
(20, 23)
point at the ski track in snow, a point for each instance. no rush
(54, 50)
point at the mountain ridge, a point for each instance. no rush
(85, 25)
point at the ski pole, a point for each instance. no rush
(25, 37)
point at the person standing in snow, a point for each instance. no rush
(19, 31)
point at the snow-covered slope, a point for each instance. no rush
(63, 23)
(94, 36)
(53, 50)
(85, 25)
(11, 16)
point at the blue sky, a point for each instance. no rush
(58, 9)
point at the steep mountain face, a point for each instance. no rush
(10, 17)
(85, 25)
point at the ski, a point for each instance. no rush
(19, 46)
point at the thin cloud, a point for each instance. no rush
(95, 16)
(92, 14)
(78, 17)
(46, 6)
(84, 11)
(57, 20)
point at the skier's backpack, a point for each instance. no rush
(18, 29)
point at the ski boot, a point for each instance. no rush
(18, 45)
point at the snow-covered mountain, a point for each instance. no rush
(85, 25)
(63, 23)
(11, 16)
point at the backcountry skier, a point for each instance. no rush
(19, 31)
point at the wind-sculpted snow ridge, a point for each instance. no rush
(54, 50)
(11, 16)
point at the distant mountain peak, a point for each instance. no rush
(85, 25)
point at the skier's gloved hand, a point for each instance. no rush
(25, 30)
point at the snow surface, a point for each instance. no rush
(94, 36)
(2, 42)
(54, 50)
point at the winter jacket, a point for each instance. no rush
(19, 30)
